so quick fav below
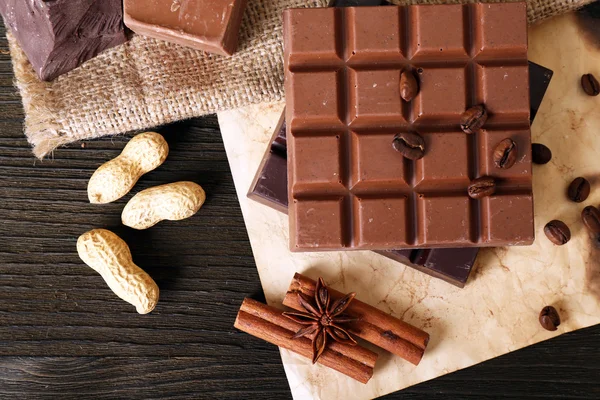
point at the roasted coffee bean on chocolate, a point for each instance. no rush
(591, 219)
(409, 86)
(482, 187)
(579, 190)
(590, 85)
(410, 144)
(472, 120)
(540, 154)
(505, 154)
(557, 232)
(549, 318)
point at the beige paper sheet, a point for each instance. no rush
(497, 312)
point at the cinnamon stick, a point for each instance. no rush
(372, 325)
(271, 325)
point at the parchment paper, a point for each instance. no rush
(497, 312)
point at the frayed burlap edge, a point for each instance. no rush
(43, 132)
(49, 123)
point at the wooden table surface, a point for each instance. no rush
(64, 334)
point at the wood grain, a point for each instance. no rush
(64, 334)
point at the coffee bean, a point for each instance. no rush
(409, 86)
(410, 144)
(590, 85)
(557, 232)
(505, 154)
(549, 318)
(591, 219)
(579, 190)
(472, 120)
(482, 187)
(540, 154)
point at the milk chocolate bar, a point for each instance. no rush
(452, 265)
(58, 36)
(209, 25)
(348, 188)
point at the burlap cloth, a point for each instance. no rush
(147, 82)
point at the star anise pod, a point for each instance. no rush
(323, 319)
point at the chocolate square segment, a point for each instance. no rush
(442, 96)
(375, 98)
(58, 36)
(505, 92)
(323, 219)
(317, 164)
(444, 220)
(367, 40)
(315, 100)
(501, 220)
(431, 175)
(209, 25)
(381, 221)
(377, 166)
(438, 32)
(492, 38)
(316, 41)
(344, 110)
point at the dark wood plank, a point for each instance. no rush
(63, 333)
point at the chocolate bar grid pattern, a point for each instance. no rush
(351, 139)
(452, 265)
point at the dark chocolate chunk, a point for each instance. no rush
(270, 183)
(58, 36)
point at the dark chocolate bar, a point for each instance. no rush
(539, 80)
(58, 36)
(452, 265)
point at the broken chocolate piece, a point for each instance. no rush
(209, 25)
(58, 36)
